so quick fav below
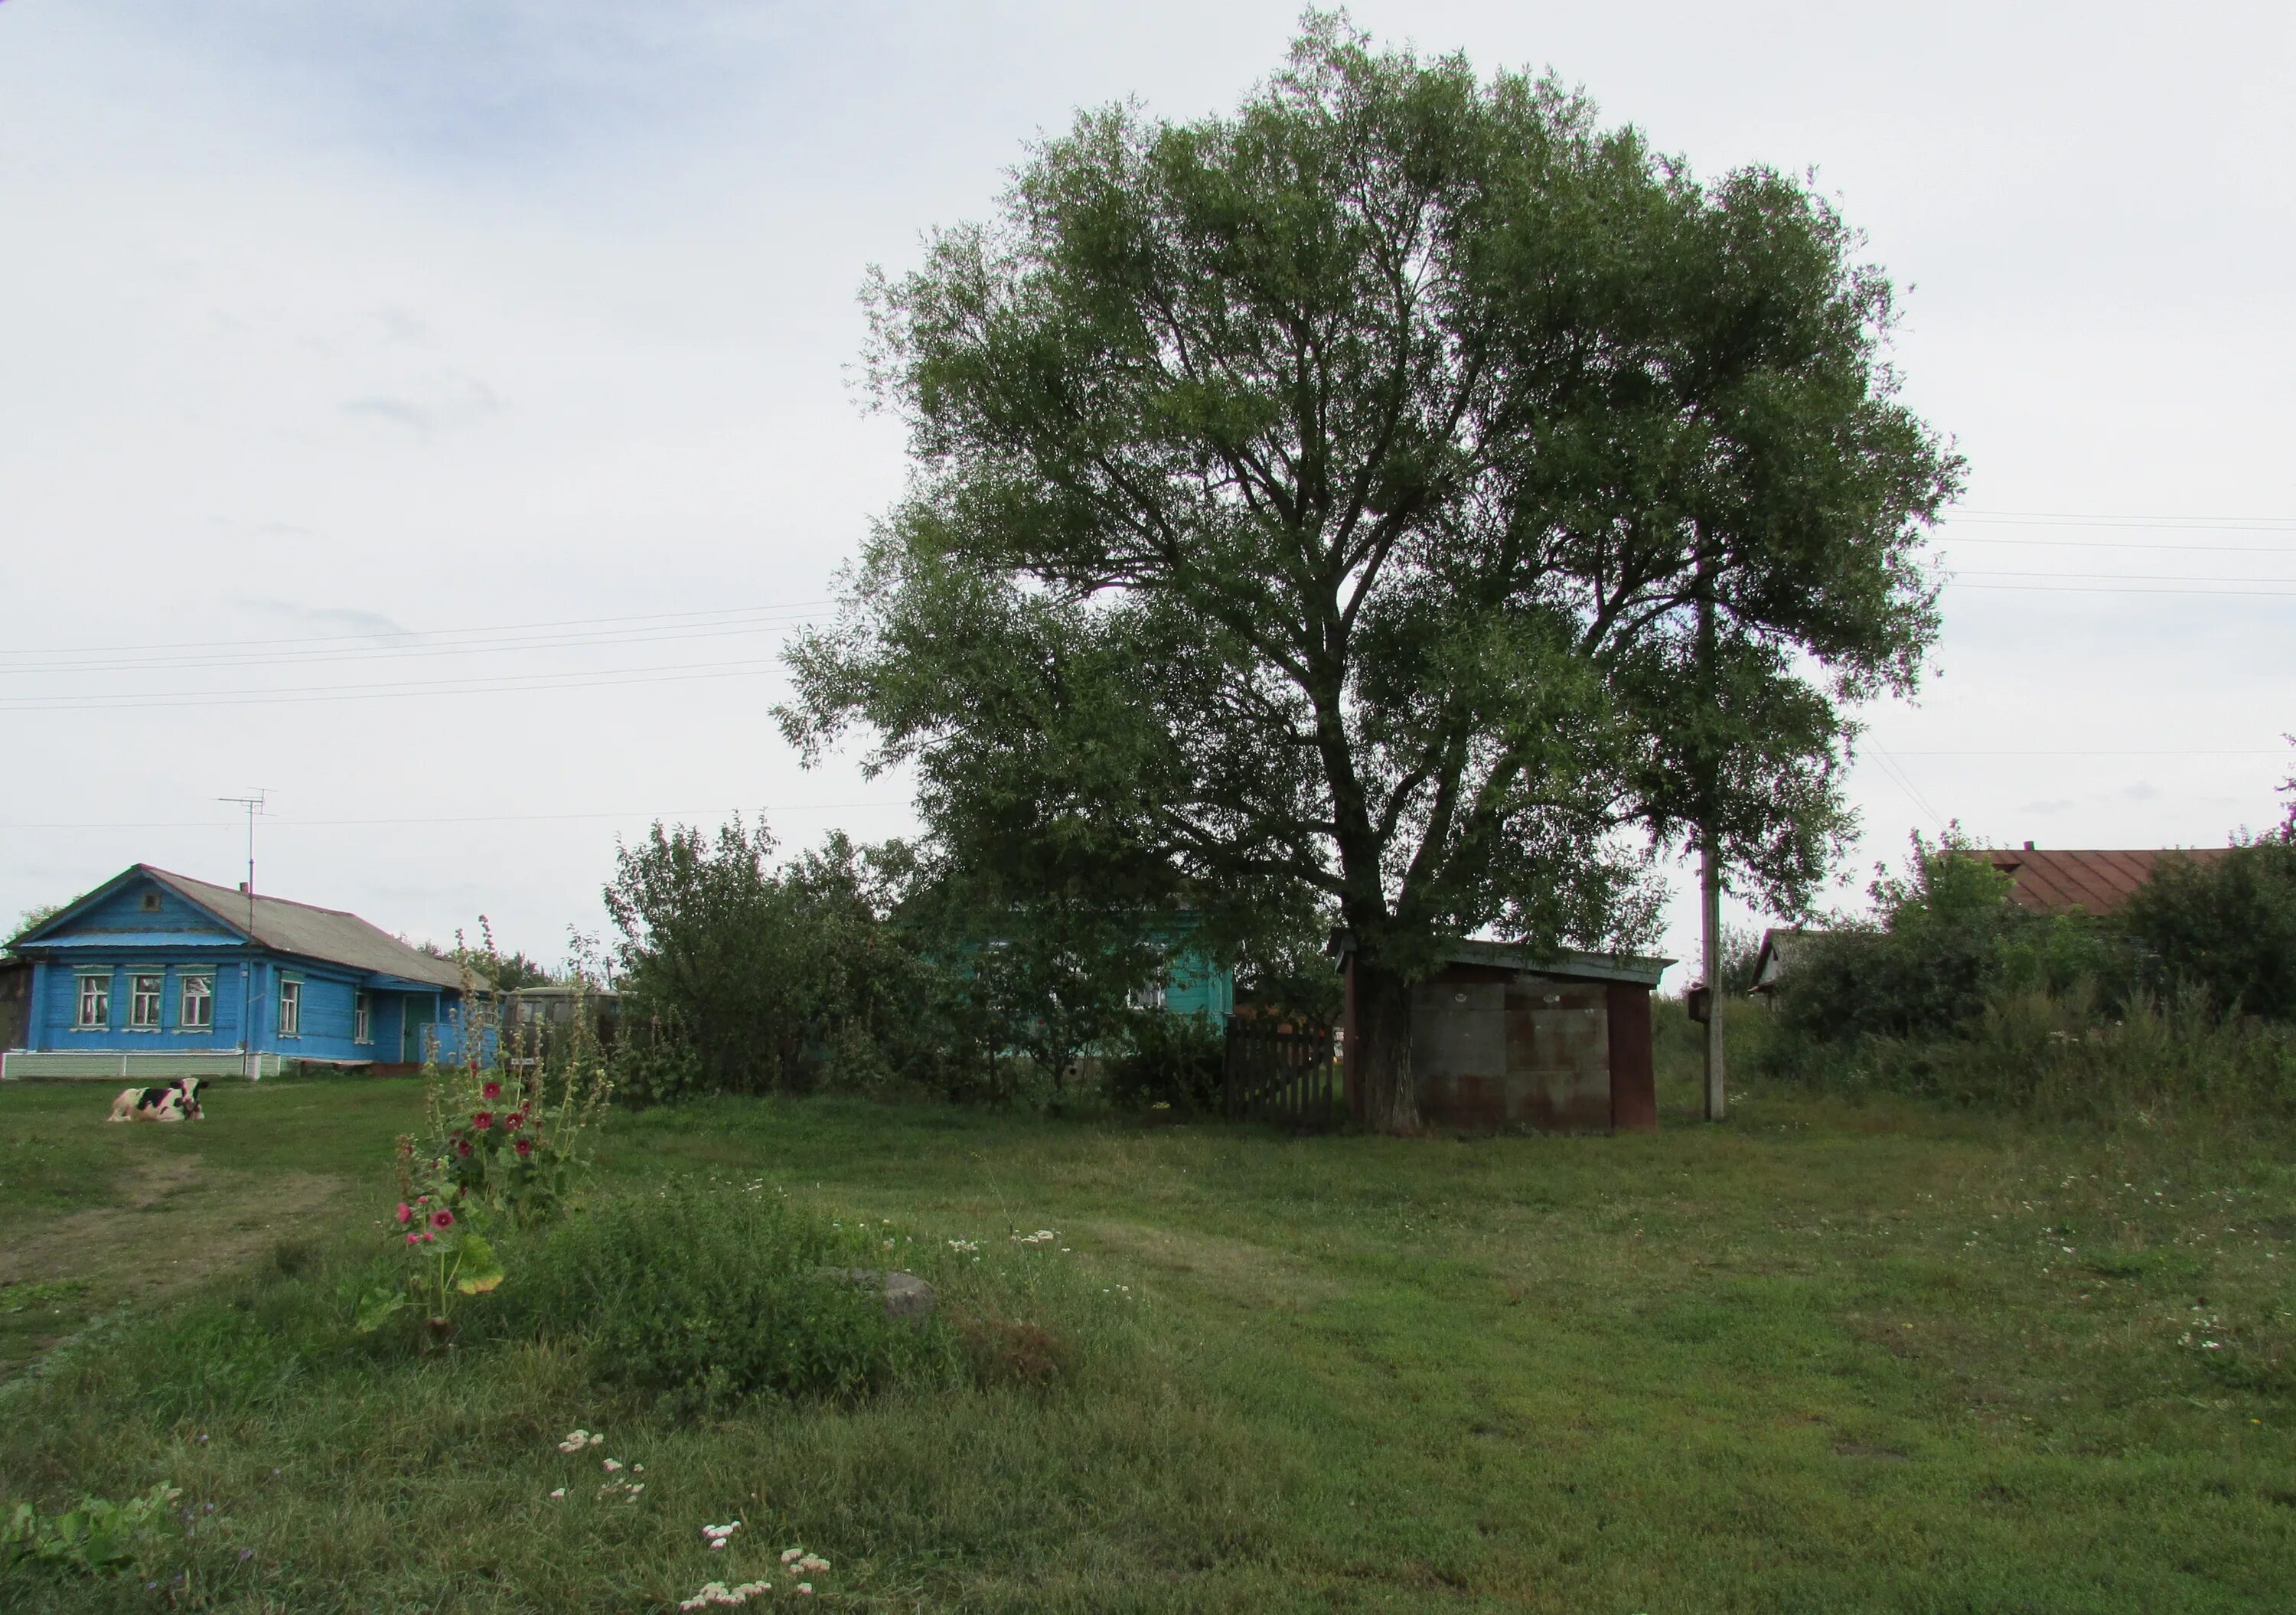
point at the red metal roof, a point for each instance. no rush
(2048, 881)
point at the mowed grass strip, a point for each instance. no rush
(1823, 1358)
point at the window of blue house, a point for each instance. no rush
(94, 1003)
(143, 994)
(362, 1017)
(291, 1007)
(196, 1014)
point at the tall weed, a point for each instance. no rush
(704, 1298)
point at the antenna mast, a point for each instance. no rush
(254, 804)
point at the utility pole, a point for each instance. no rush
(1710, 858)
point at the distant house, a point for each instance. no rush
(155, 975)
(2048, 882)
(1502, 1036)
(1781, 946)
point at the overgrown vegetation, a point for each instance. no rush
(1827, 1358)
(705, 1297)
(866, 969)
(2185, 1000)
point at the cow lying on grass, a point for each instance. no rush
(178, 1101)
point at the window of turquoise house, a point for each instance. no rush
(94, 1003)
(150, 902)
(290, 1007)
(144, 994)
(196, 1014)
(362, 1017)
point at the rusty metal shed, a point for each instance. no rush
(1505, 1037)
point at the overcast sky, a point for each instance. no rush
(323, 326)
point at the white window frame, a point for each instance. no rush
(195, 987)
(138, 999)
(291, 1007)
(94, 987)
(362, 1015)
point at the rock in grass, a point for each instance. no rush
(909, 1298)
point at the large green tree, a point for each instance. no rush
(1313, 509)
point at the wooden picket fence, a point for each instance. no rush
(1286, 1075)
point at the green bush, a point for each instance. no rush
(1945, 942)
(1173, 1060)
(705, 1297)
(2056, 1056)
(2225, 925)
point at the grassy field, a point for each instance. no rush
(1823, 1357)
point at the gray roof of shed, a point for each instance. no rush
(1566, 962)
(326, 934)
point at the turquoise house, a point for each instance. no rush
(155, 975)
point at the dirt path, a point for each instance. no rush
(179, 1220)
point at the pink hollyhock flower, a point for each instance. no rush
(483, 1121)
(430, 1238)
(515, 1121)
(492, 1090)
(413, 1238)
(462, 1146)
(442, 1218)
(524, 1146)
(405, 1212)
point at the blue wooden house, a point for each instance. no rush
(155, 975)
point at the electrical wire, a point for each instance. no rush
(608, 638)
(2114, 544)
(270, 823)
(2174, 523)
(503, 684)
(568, 622)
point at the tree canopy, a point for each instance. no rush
(1314, 505)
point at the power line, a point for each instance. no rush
(2153, 593)
(522, 684)
(2124, 576)
(2142, 752)
(475, 818)
(2176, 523)
(568, 622)
(2114, 544)
(608, 638)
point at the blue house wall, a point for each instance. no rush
(118, 936)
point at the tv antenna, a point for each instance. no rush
(254, 806)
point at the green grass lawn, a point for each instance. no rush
(1823, 1358)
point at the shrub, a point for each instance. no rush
(1943, 943)
(2055, 1056)
(758, 977)
(2226, 926)
(1173, 1060)
(703, 1299)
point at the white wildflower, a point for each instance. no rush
(561, 1492)
(610, 1465)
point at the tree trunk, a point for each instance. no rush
(1382, 1051)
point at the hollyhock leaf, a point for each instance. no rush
(478, 1272)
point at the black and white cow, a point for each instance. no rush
(178, 1101)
